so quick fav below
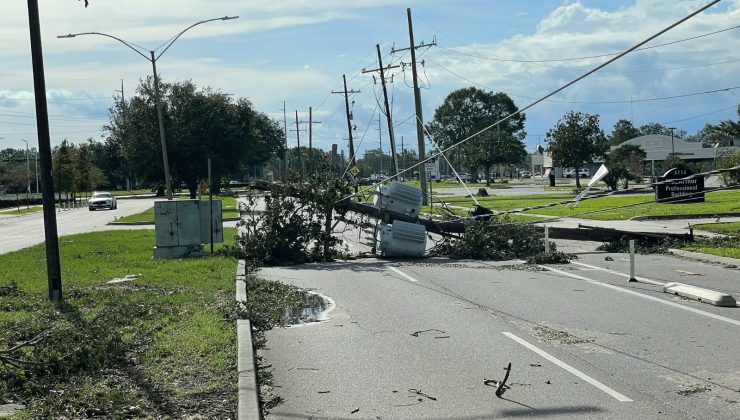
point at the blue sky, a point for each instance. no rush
(297, 50)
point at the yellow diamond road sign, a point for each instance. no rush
(355, 170)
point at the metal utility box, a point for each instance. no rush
(399, 198)
(182, 227)
(402, 239)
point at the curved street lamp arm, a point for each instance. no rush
(190, 27)
(109, 36)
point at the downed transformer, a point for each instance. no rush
(398, 238)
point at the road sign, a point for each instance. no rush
(355, 170)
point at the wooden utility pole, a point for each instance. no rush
(389, 117)
(285, 131)
(346, 94)
(298, 140)
(417, 102)
(311, 122)
(53, 266)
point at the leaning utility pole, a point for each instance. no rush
(346, 94)
(417, 102)
(388, 115)
(53, 266)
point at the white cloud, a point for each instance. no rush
(575, 30)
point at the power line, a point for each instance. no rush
(555, 60)
(543, 98)
(591, 102)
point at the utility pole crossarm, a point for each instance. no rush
(416, 47)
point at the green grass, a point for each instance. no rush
(729, 229)
(722, 251)
(724, 247)
(229, 210)
(452, 184)
(625, 207)
(619, 207)
(23, 210)
(154, 344)
(143, 191)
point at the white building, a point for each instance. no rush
(657, 148)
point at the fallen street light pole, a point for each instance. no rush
(53, 267)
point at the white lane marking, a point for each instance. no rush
(395, 270)
(642, 279)
(655, 299)
(569, 368)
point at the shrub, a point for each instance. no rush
(295, 225)
(498, 239)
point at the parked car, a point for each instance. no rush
(582, 173)
(464, 177)
(525, 174)
(102, 200)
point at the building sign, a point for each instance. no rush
(681, 190)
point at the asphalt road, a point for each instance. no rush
(582, 342)
(18, 232)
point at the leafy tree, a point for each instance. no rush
(469, 110)
(623, 131)
(575, 139)
(15, 179)
(65, 168)
(199, 123)
(626, 162)
(730, 161)
(654, 128)
(727, 129)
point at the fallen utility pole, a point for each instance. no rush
(389, 117)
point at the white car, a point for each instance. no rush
(525, 174)
(102, 200)
(582, 173)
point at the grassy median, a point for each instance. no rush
(162, 345)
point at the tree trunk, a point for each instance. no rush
(488, 176)
(578, 179)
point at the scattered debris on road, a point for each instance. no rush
(501, 386)
(535, 365)
(418, 392)
(416, 334)
(355, 410)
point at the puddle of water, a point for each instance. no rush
(315, 308)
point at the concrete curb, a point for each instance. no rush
(248, 388)
(727, 261)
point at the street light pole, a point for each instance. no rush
(157, 94)
(28, 172)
